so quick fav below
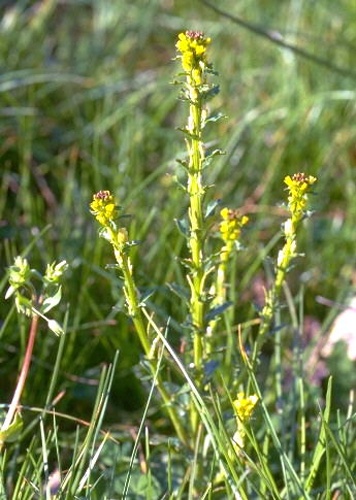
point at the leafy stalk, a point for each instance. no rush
(192, 47)
(104, 209)
(298, 188)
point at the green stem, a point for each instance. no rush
(196, 194)
(287, 254)
(135, 312)
(219, 291)
(196, 280)
(133, 306)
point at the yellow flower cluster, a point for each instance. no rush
(298, 187)
(103, 207)
(244, 406)
(193, 45)
(231, 224)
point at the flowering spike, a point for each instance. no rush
(244, 406)
(231, 224)
(298, 186)
(103, 207)
(193, 45)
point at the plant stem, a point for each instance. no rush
(103, 208)
(132, 301)
(23, 374)
(135, 312)
(196, 193)
(196, 280)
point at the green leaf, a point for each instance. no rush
(13, 431)
(52, 301)
(321, 443)
(215, 117)
(145, 296)
(181, 292)
(211, 92)
(217, 311)
(23, 304)
(183, 226)
(210, 209)
(141, 486)
(209, 157)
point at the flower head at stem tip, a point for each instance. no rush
(103, 207)
(192, 46)
(244, 406)
(231, 224)
(298, 186)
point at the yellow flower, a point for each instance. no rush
(103, 207)
(298, 187)
(244, 406)
(193, 45)
(230, 226)
(122, 237)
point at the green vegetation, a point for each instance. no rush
(183, 356)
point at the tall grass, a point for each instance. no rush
(87, 104)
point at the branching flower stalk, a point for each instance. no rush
(192, 46)
(298, 186)
(230, 231)
(35, 304)
(104, 209)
